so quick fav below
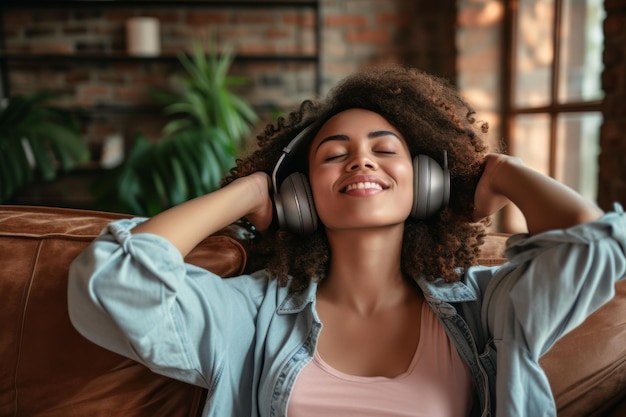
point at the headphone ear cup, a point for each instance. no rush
(431, 187)
(294, 205)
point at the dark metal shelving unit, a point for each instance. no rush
(155, 4)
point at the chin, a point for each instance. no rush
(369, 223)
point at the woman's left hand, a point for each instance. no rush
(487, 199)
(545, 203)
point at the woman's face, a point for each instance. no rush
(361, 172)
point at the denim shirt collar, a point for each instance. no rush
(438, 291)
(296, 301)
(448, 292)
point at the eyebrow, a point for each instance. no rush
(371, 135)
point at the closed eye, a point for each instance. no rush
(380, 152)
(333, 157)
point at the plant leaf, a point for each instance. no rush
(50, 132)
(207, 124)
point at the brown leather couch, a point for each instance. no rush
(48, 370)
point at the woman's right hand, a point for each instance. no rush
(189, 223)
(262, 211)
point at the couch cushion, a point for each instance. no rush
(587, 367)
(46, 368)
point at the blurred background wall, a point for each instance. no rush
(501, 54)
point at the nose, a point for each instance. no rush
(360, 160)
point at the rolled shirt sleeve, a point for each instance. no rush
(553, 282)
(558, 278)
(134, 294)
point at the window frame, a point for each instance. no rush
(510, 110)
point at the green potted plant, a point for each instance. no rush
(208, 124)
(37, 139)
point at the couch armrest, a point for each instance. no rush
(46, 367)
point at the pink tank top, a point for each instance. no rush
(436, 384)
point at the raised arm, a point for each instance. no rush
(187, 224)
(545, 203)
(132, 293)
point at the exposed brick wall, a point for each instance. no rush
(356, 33)
(612, 162)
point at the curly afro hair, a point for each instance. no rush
(433, 118)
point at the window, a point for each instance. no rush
(552, 90)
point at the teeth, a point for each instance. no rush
(363, 185)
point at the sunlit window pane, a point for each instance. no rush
(577, 151)
(534, 52)
(532, 140)
(581, 51)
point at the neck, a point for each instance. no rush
(365, 271)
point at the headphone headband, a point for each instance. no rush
(293, 144)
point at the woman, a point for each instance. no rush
(366, 303)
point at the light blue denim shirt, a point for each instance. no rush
(246, 339)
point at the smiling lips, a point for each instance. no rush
(363, 186)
